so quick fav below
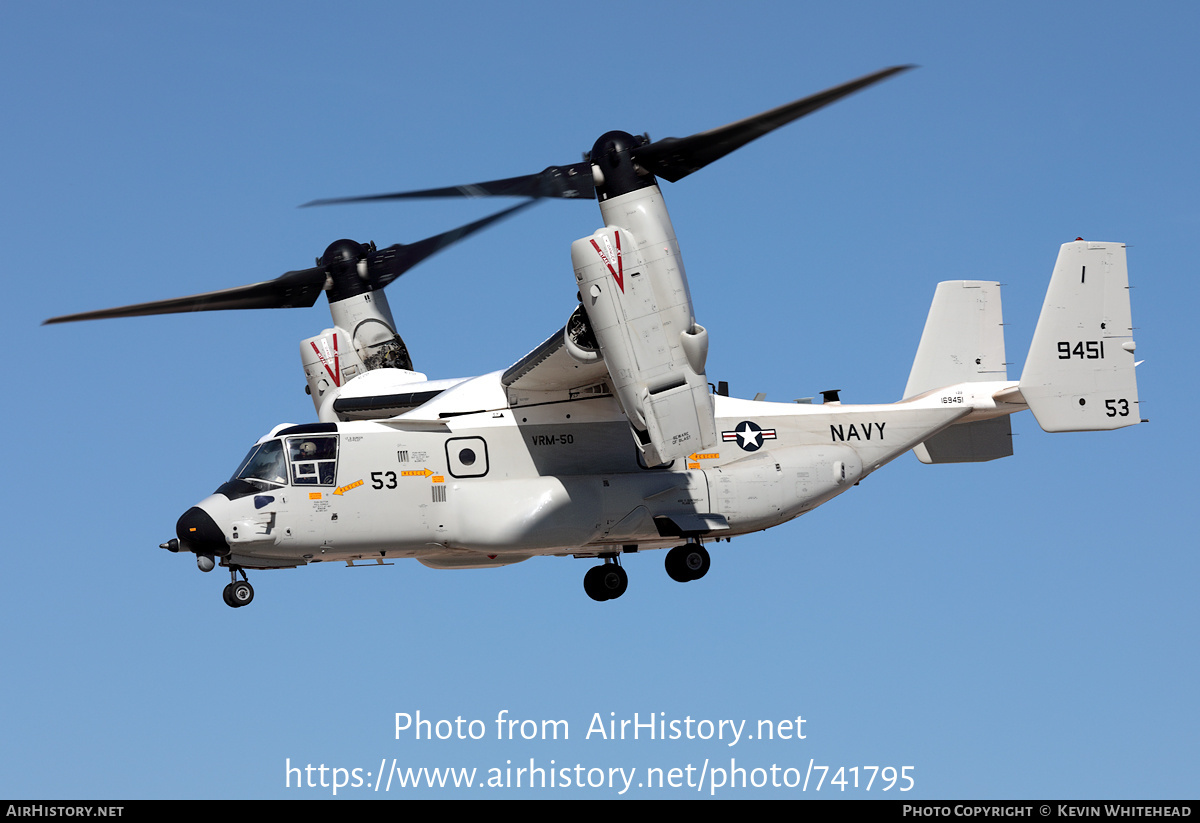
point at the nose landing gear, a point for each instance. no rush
(238, 593)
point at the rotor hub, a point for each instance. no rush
(613, 165)
(341, 253)
(341, 262)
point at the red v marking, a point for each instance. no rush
(618, 274)
(333, 373)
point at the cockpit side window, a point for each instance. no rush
(314, 459)
(264, 465)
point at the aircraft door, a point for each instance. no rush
(313, 461)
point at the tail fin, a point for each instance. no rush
(963, 342)
(1079, 373)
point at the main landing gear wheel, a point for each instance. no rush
(607, 582)
(687, 563)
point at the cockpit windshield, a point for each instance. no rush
(264, 466)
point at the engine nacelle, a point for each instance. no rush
(330, 362)
(641, 316)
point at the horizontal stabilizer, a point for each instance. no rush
(1079, 374)
(975, 442)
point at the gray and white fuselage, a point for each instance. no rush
(495, 485)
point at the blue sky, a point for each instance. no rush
(1025, 628)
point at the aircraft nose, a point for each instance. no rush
(200, 533)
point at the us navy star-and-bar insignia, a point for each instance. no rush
(749, 436)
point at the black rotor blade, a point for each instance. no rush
(674, 158)
(299, 289)
(573, 181)
(296, 289)
(386, 265)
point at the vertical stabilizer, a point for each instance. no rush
(1079, 374)
(963, 341)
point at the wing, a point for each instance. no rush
(554, 371)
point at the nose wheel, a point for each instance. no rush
(239, 592)
(607, 582)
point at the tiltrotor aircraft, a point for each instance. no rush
(607, 439)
